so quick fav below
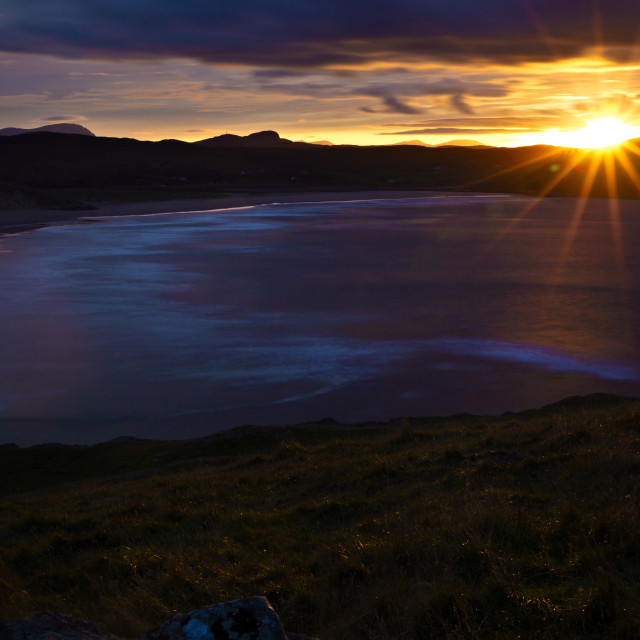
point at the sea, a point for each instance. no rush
(181, 325)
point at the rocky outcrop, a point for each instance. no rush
(246, 619)
(259, 139)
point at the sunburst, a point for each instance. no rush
(603, 156)
(598, 133)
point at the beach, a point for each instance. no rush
(20, 220)
(360, 310)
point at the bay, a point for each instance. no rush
(180, 325)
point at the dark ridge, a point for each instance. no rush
(253, 140)
(265, 162)
(64, 127)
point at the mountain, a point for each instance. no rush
(273, 139)
(266, 162)
(462, 142)
(415, 143)
(63, 127)
(325, 143)
(258, 139)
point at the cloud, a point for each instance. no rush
(441, 87)
(275, 74)
(392, 105)
(617, 104)
(458, 103)
(451, 87)
(539, 122)
(63, 119)
(462, 131)
(397, 106)
(309, 89)
(316, 33)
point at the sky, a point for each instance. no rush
(502, 72)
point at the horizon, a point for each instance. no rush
(627, 144)
(504, 74)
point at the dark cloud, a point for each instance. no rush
(63, 119)
(307, 89)
(466, 131)
(459, 104)
(507, 123)
(312, 33)
(441, 87)
(392, 105)
(451, 87)
(395, 105)
(276, 74)
(395, 95)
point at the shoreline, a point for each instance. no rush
(584, 402)
(14, 221)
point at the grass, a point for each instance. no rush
(525, 525)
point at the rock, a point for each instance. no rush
(247, 619)
(53, 626)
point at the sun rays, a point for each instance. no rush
(604, 165)
(597, 133)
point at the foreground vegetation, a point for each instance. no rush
(524, 525)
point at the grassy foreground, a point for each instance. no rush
(520, 526)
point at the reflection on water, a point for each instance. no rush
(180, 325)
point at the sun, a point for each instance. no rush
(596, 134)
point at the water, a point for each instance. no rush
(180, 325)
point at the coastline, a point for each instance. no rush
(20, 220)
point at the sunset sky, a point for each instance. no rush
(501, 72)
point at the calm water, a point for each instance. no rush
(181, 325)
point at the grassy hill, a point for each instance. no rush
(524, 525)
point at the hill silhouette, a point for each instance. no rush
(458, 142)
(415, 143)
(258, 139)
(264, 161)
(63, 127)
(462, 142)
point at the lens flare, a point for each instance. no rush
(596, 134)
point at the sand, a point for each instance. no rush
(19, 220)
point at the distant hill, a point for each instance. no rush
(325, 143)
(272, 139)
(63, 127)
(462, 142)
(258, 139)
(264, 161)
(414, 143)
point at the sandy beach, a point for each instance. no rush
(19, 220)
